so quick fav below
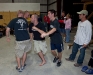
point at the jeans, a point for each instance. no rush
(74, 52)
(67, 35)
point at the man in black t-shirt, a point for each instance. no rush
(55, 37)
(39, 43)
(23, 44)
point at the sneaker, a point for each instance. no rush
(59, 63)
(18, 69)
(69, 59)
(23, 67)
(55, 59)
(77, 65)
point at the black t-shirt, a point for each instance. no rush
(56, 37)
(62, 25)
(20, 26)
(37, 35)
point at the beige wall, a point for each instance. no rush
(19, 6)
(42, 8)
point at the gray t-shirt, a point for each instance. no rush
(56, 37)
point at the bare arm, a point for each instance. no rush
(51, 31)
(48, 33)
(7, 32)
(39, 30)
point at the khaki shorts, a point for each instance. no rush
(22, 47)
(40, 46)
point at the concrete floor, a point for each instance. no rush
(8, 63)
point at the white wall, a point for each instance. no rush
(42, 8)
(31, 1)
(19, 6)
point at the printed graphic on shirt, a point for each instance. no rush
(51, 26)
(21, 22)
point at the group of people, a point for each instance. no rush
(36, 31)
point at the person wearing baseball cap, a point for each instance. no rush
(85, 12)
(82, 38)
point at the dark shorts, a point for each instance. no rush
(59, 47)
(62, 30)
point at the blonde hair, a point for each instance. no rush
(20, 12)
(26, 12)
(68, 15)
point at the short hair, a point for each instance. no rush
(36, 16)
(20, 12)
(26, 12)
(52, 11)
(69, 15)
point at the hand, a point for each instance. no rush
(8, 39)
(84, 45)
(43, 35)
(34, 28)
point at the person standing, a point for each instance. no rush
(67, 22)
(62, 25)
(23, 43)
(55, 37)
(36, 29)
(82, 38)
(26, 15)
(47, 21)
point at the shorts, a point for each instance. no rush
(62, 30)
(59, 47)
(40, 46)
(22, 47)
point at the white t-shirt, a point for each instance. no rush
(84, 33)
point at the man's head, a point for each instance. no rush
(51, 14)
(26, 14)
(63, 13)
(34, 18)
(83, 14)
(20, 13)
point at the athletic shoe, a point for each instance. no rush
(69, 59)
(18, 69)
(23, 67)
(59, 63)
(55, 59)
(77, 65)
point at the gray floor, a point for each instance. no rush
(8, 63)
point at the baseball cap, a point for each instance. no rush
(83, 12)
